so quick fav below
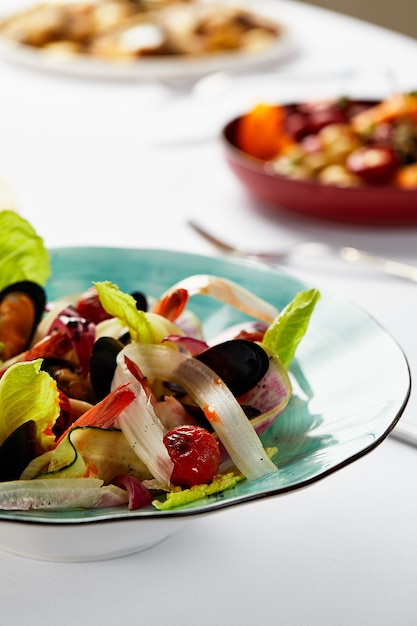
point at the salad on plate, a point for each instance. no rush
(110, 398)
(344, 141)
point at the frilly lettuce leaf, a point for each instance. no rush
(180, 497)
(23, 255)
(146, 328)
(287, 330)
(27, 393)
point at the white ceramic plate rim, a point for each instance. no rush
(158, 68)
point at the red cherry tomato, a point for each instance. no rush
(89, 307)
(194, 453)
(320, 118)
(297, 125)
(319, 114)
(311, 117)
(373, 164)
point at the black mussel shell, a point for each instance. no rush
(141, 300)
(125, 338)
(52, 364)
(33, 290)
(174, 389)
(239, 363)
(17, 451)
(103, 365)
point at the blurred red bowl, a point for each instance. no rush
(371, 205)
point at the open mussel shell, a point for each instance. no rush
(103, 364)
(269, 396)
(18, 450)
(240, 363)
(35, 292)
(141, 300)
(69, 379)
(256, 377)
(22, 305)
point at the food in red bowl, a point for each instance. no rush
(345, 160)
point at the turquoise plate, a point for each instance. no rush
(351, 384)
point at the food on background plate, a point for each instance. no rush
(126, 30)
(109, 398)
(342, 142)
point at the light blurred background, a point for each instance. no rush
(399, 15)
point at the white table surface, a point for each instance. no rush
(88, 165)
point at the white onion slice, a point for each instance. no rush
(60, 493)
(142, 427)
(228, 292)
(213, 396)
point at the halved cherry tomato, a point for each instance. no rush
(194, 453)
(372, 164)
(90, 307)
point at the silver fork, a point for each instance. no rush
(308, 249)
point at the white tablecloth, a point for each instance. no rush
(113, 163)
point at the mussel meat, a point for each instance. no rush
(21, 307)
(69, 379)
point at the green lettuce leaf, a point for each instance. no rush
(123, 306)
(287, 330)
(146, 328)
(23, 255)
(28, 393)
